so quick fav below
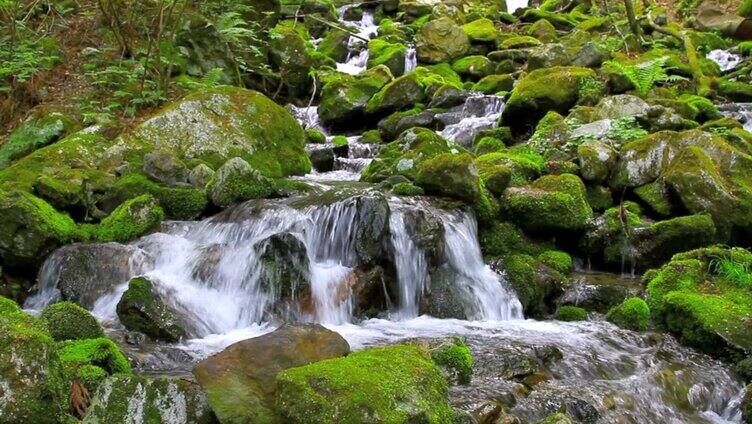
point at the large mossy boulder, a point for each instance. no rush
(241, 381)
(543, 90)
(68, 321)
(31, 379)
(632, 314)
(288, 53)
(394, 384)
(141, 309)
(135, 398)
(215, 124)
(90, 361)
(451, 175)
(550, 203)
(183, 203)
(481, 30)
(391, 55)
(402, 93)
(441, 40)
(237, 181)
(40, 128)
(344, 97)
(535, 283)
(703, 296)
(402, 156)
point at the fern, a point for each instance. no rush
(733, 272)
(645, 75)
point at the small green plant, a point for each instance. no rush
(644, 76)
(732, 272)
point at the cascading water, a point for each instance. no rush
(725, 59)
(739, 111)
(357, 57)
(513, 5)
(411, 59)
(479, 112)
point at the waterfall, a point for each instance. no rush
(739, 111)
(410, 262)
(357, 57)
(725, 59)
(411, 59)
(479, 112)
(308, 117)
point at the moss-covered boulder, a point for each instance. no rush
(141, 309)
(334, 44)
(215, 124)
(121, 398)
(68, 321)
(522, 164)
(33, 388)
(451, 175)
(550, 89)
(31, 228)
(391, 55)
(552, 202)
(473, 67)
(453, 357)
(535, 283)
(493, 84)
(398, 384)
(183, 203)
(632, 314)
(402, 156)
(165, 167)
(90, 361)
(344, 97)
(570, 313)
(441, 40)
(596, 159)
(703, 297)
(241, 381)
(402, 93)
(237, 181)
(481, 30)
(131, 220)
(40, 128)
(288, 52)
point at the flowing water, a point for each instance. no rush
(479, 112)
(357, 57)
(739, 111)
(725, 59)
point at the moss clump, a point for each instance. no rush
(101, 352)
(489, 145)
(632, 314)
(455, 358)
(523, 163)
(7, 306)
(556, 259)
(38, 130)
(392, 55)
(407, 189)
(519, 42)
(130, 220)
(656, 196)
(552, 202)
(371, 137)
(532, 281)
(475, 66)
(492, 84)
(237, 181)
(450, 175)
(393, 384)
(504, 238)
(745, 8)
(177, 202)
(401, 93)
(481, 30)
(315, 136)
(570, 313)
(68, 321)
(344, 97)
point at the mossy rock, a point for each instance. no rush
(453, 357)
(33, 385)
(492, 84)
(90, 361)
(344, 97)
(549, 89)
(334, 44)
(407, 189)
(441, 40)
(130, 220)
(68, 321)
(474, 67)
(391, 55)
(557, 260)
(570, 313)
(524, 165)
(315, 136)
(481, 30)
(519, 42)
(236, 181)
(183, 203)
(557, 418)
(389, 384)
(402, 93)
(552, 202)
(632, 314)
(288, 53)
(543, 31)
(451, 175)
(141, 309)
(533, 282)
(504, 238)
(40, 128)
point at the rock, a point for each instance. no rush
(241, 381)
(534, 283)
(557, 418)
(200, 176)
(551, 89)
(746, 405)
(452, 356)
(368, 292)
(391, 55)
(68, 321)
(164, 167)
(90, 361)
(596, 160)
(594, 293)
(550, 203)
(334, 45)
(390, 384)
(121, 398)
(344, 98)
(371, 223)
(621, 106)
(395, 124)
(441, 40)
(427, 232)
(284, 268)
(481, 30)
(443, 298)
(86, 272)
(543, 31)
(493, 84)
(451, 175)
(589, 56)
(322, 158)
(289, 54)
(632, 314)
(448, 96)
(519, 42)
(141, 309)
(473, 67)
(134, 218)
(181, 203)
(570, 314)
(237, 181)
(545, 56)
(220, 123)
(402, 93)
(41, 128)
(657, 243)
(33, 389)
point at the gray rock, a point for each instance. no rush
(200, 176)
(165, 167)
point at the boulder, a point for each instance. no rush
(632, 314)
(391, 55)
(398, 122)
(288, 53)
(481, 30)
(451, 175)
(371, 223)
(164, 167)
(473, 67)
(596, 292)
(596, 159)
(402, 93)
(181, 203)
(135, 398)
(322, 158)
(441, 40)
(284, 268)
(536, 284)
(41, 128)
(493, 84)
(91, 361)
(200, 176)
(241, 381)
(68, 321)
(237, 181)
(132, 219)
(344, 98)
(141, 309)
(397, 384)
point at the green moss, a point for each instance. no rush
(456, 358)
(532, 282)
(475, 66)
(632, 314)
(90, 375)
(570, 313)
(556, 259)
(745, 8)
(315, 136)
(371, 137)
(434, 76)
(489, 145)
(177, 202)
(407, 189)
(655, 196)
(68, 321)
(493, 84)
(7, 306)
(481, 30)
(101, 352)
(549, 132)
(339, 141)
(702, 109)
(504, 239)
(392, 55)
(130, 220)
(236, 181)
(401, 93)
(390, 384)
(38, 130)
(523, 163)
(139, 309)
(519, 42)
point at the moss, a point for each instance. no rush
(557, 418)
(475, 66)
(7, 306)
(101, 352)
(655, 195)
(549, 133)
(371, 137)
(177, 202)
(481, 30)
(702, 109)
(532, 281)
(745, 8)
(344, 97)
(339, 141)
(401, 93)
(236, 181)
(392, 55)
(519, 42)
(130, 220)
(451, 175)
(38, 130)
(91, 376)
(433, 76)
(456, 358)
(68, 321)
(553, 202)
(390, 384)
(407, 189)
(744, 368)
(489, 145)
(492, 84)
(556, 259)
(543, 31)
(570, 313)
(139, 309)
(632, 314)
(746, 406)
(315, 136)
(524, 164)
(504, 239)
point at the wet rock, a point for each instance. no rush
(452, 356)
(395, 383)
(322, 159)
(121, 398)
(391, 55)
(165, 167)
(441, 40)
(393, 125)
(289, 54)
(284, 267)
(621, 106)
(141, 309)
(427, 232)
(371, 227)
(451, 175)
(487, 412)
(241, 381)
(443, 298)
(237, 181)
(132, 219)
(402, 93)
(343, 99)
(536, 285)
(369, 291)
(594, 293)
(596, 160)
(448, 96)
(68, 321)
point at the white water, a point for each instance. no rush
(479, 112)
(513, 5)
(739, 111)
(411, 59)
(725, 59)
(357, 57)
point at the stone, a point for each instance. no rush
(237, 181)
(200, 176)
(68, 321)
(344, 98)
(141, 309)
(441, 40)
(164, 167)
(451, 175)
(322, 158)
(404, 92)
